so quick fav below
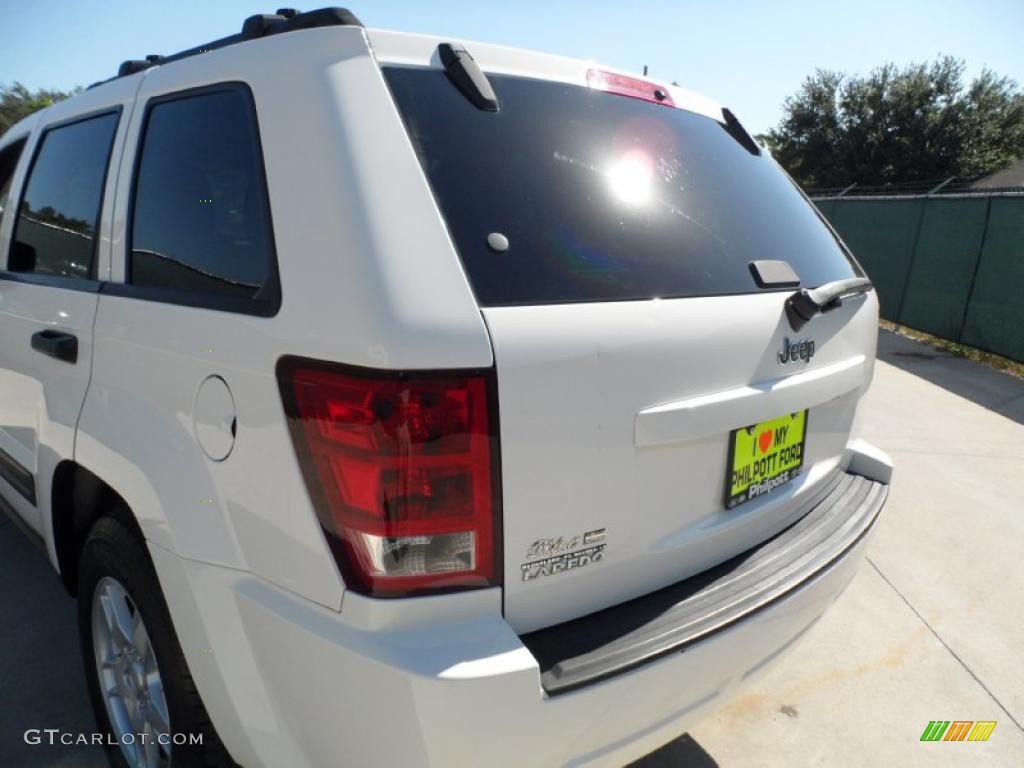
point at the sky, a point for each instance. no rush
(746, 55)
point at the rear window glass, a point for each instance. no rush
(603, 197)
(200, 223)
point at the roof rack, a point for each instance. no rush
(260, 25)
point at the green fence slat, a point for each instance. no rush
(995, 316)
(944, 265)
(967, 268)
(827, 208)
(881, 235)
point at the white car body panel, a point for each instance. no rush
(291, 683)
(588, 442)
(421, 50)
(41, 397)
(368, 276)
(606, 411)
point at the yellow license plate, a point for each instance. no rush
(764, 456)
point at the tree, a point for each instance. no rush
(17, 102)
(896, 125)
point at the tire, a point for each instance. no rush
(112, 558)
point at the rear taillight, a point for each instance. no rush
(402, 471)
(629, 86)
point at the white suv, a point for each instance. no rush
(388, 400)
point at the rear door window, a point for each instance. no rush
(200, 231)
(55, 232)
(603, 197)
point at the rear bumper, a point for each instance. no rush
(614, 641)
(289, 682)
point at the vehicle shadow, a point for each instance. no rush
(992, 389)
(684, 752)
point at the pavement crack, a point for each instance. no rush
(946, 645)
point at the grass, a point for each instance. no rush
(998, 362)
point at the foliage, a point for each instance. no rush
(17, 102)
(919, 123)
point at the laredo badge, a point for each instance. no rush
(563, 554)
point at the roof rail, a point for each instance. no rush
(260, 25)
(132, 66)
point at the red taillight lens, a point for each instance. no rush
(402, 471)
(629, 86)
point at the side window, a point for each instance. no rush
(200, 227)
(8, 163)
(55, 233)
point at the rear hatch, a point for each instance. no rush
(631, 338)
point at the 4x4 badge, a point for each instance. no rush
(796, 350)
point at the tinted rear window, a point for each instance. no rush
(200, 223)
(603, 197)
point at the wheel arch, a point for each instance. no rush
(79, 498)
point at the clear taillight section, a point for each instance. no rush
(402, 470)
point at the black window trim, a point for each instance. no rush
(13, 141)
(18, 143)
(88, 284)
(261, 307)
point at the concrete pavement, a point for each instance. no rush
(41, 679)
(931, 628)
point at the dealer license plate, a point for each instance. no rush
(763, 457)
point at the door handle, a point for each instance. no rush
(58, 344)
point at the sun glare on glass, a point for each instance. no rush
(631, 177)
